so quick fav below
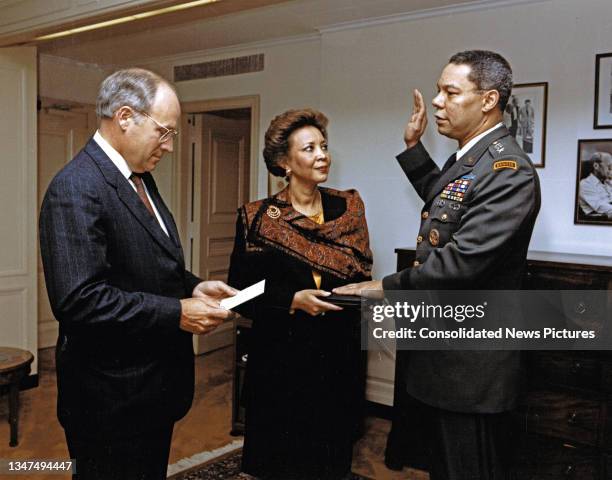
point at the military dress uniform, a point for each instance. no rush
(476, 225)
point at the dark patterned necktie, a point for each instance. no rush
(449, 163)
(140, 190)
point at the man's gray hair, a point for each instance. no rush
(598, 157)
(132, 87)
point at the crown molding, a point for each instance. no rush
(477, 5)
(74, 63)
(197, 55)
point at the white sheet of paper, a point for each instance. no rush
(244, 295)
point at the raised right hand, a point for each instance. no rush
(308, 301)
(418, 121)
(202, 315)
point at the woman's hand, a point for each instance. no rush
(308, 301)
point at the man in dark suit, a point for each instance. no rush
(117, 284)
(476, 225)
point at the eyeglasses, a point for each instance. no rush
(168, 134)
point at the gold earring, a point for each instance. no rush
(287, 172)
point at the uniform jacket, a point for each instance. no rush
(476, 225)
(114, 280)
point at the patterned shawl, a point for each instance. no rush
(339, 246)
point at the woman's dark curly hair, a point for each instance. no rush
(280, 129)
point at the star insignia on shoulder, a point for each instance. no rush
(499, 148)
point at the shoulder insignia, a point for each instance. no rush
(501, 164)
(499, 148)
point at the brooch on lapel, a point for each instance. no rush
(273, 212)
(456, 190)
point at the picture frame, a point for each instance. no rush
(593, 193)
(525, 116)
(602, 117)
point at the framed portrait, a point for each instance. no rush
(593, 203)
(525, 117)
(603, 91)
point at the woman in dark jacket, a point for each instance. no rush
(304, 384)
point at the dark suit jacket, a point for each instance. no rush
(480, 242)
(114, 280)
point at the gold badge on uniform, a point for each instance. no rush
(273, 212)
(505, 164)
(434, 237)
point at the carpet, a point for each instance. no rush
(225, 467)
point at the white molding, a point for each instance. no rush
(379, 391)
(104, 68)
(198, 55)
(20, 293)
(477, 5)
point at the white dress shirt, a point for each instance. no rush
(124, 168)
(595, 196)
(462, 151)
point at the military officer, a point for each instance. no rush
(476, 224)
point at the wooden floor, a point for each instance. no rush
(206, 426)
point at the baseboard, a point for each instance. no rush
(222, 336)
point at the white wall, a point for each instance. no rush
(64, 79)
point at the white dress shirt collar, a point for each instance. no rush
(124, 168)
(113, 154)
(462, 151)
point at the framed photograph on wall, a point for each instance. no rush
(593, 204)
(603, 91)
(525, 117)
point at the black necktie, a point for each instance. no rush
(449, 163)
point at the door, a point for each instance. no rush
(221, 185)
(18, 219)
(63, 130)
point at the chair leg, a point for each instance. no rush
(14, 413)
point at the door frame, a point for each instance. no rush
(182, 177)
(182, 187)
